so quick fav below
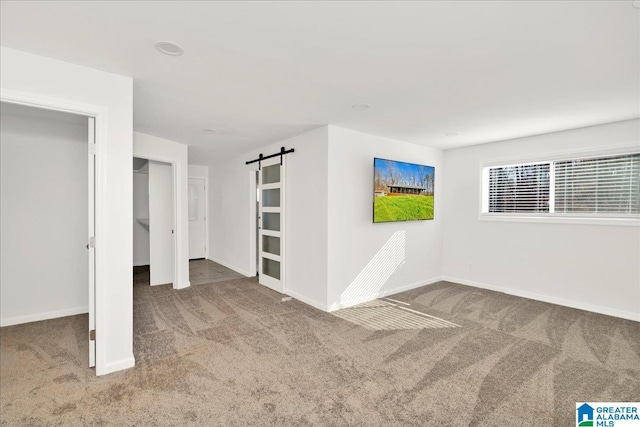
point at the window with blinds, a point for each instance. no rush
(601, 185)
(594, 186)
(519, 188)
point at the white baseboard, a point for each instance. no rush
(234, 268)
(306, 300)
(36, 317)
(552, 300)
(382, 294)
(116, 366)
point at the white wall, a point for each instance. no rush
(229, 215)
(231, 236)
(306, 207)
(44, 216)
(154, 148)
(198, 171)
(594, 267)
(331, 241)
(45, 80)
(368, 260)
(140, 210)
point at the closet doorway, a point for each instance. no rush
(47, 219)
(154, 213)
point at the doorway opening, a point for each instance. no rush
(197, 209)
(154, 252)
(48, 220)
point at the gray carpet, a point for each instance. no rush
(233, 354)
(203, 271)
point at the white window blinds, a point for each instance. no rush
(607, 186)
(598, 185)
(519, 188)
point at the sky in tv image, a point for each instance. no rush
(402, 191)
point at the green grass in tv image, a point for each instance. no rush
(402, 208)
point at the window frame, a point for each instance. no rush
(553, 217)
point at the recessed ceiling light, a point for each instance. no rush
(360, 106)
(169, 48)
(209, 130)
(451, 134)
(636, 4)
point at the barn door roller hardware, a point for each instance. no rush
(261, 157)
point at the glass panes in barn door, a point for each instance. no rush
(271, 225)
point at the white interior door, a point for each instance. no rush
(161, 231)
(91, 242)
(197, 219)
(271, 225)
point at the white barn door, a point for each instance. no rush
(271, 224)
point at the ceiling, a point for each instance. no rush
(259, 72)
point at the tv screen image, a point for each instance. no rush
(402, 191)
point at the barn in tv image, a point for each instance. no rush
(402, 191)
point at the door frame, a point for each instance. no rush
(100, 115)
(177, 214)
(254, 253)
(206, 211)
(91, 222)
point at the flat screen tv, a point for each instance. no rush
(402, 191)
